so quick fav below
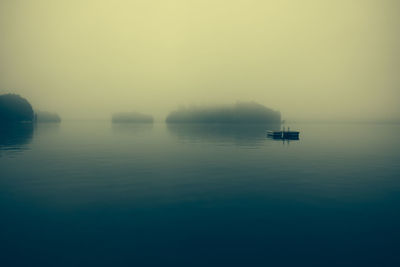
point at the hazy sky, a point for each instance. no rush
(309, 59)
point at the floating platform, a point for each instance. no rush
(283, 135)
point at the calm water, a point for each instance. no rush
(94, 194)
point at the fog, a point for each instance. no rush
(308, 59)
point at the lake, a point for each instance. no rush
(96, 194)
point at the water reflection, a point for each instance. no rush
(46, 128)
(15, 137)
(239, 134)
(132, 128)
(280, 138)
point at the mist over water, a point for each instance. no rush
(133, 133)
(314, 60)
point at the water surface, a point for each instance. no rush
(97, 194)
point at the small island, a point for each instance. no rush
(131, 117)
(239, 113)
(15, 109)
(45, 116)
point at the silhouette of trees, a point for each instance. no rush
(44, 116)
(14, 108)
(241, 112)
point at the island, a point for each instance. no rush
(15, 109)
(45, 116)
(239, 113)
(131, 117)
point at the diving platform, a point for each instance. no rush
(284, 135)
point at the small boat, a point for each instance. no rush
(291, 135)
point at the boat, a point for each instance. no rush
(283, 135)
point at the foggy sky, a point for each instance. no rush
(308, 59)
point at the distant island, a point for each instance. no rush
(15, 109)
(44, 116)
(239, 113)
(131, 117)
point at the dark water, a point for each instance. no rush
(94, 194)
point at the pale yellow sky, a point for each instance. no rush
(309, 59)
